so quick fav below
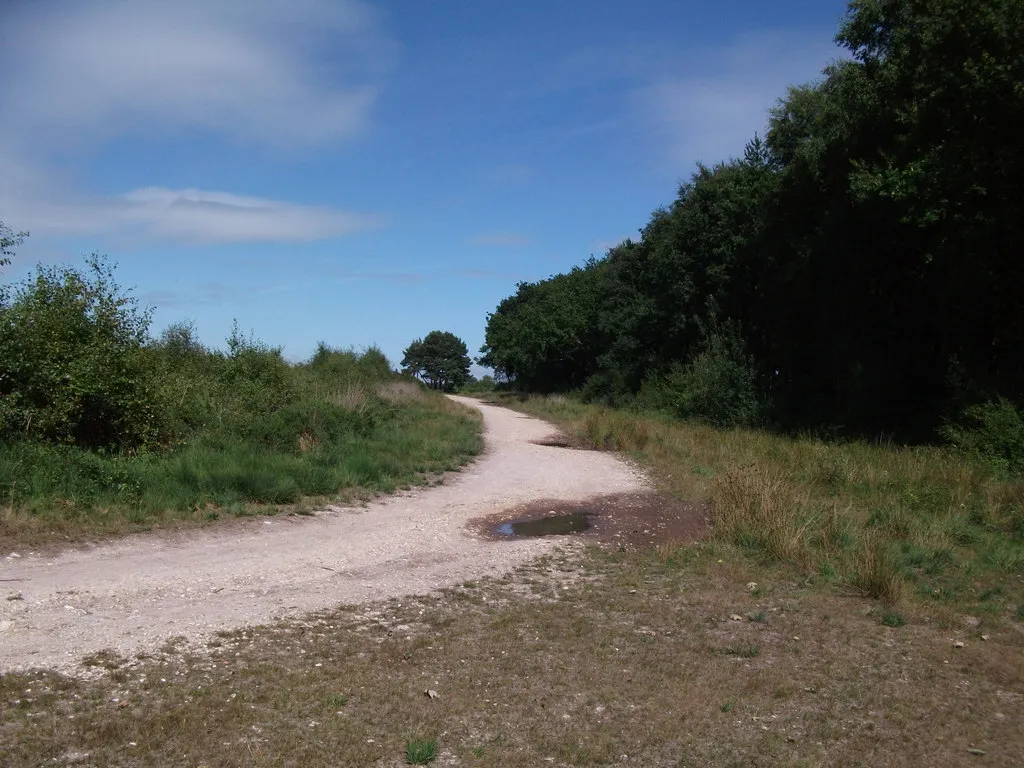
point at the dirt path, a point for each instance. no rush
(135, 593)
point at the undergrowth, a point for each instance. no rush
(104, 429)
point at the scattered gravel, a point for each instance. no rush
(132, 594)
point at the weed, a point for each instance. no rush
(760, 617)
(420, 751)
(757, 509)
(728, 706)
(337, 700)
(892, 618)
(743, 650)
(875, 574)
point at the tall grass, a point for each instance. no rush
(886, 521)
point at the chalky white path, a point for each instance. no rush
(135, 593)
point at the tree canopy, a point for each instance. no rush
(440, 359)
(861, 261)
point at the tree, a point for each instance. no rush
(860, 255)
(9, 240)
(440, 359)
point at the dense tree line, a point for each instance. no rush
(861, 266)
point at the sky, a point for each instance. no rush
(365, 172)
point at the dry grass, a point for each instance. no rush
(402, 392)
(632, 660)
(758, 508)
(766, 645)
(892, 522)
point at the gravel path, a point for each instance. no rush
(135, 593)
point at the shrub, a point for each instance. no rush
(72, 365)
(992, 432)
(718, 386)
(482, 385)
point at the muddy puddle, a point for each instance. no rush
(633, 520)
(554, 525)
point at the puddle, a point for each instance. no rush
(554, 442)
(556, 525)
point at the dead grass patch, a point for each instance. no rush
(758, 508)
(627, 659)
(953, 531)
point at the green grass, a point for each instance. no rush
(893, 618)
(420, 751)
(884, 521)
(52, 493)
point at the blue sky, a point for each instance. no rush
(360, 172)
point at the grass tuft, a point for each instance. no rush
(420, 751)
(757, 509)
(893, 618)
(875, 574)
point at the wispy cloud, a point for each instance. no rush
(204, 294)
(405, 278)
(190, 216)
(500, 239)
(251, 70)
(73, 77)
(211, 294)
(711, 117)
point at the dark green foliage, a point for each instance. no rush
(369, 366)
(546, 337)
(95, 416)
(992, 432)
(440, 359)
(481, 385)
(72, 366)
(717, 386)
(866, 247)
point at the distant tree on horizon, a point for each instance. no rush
(440, 360)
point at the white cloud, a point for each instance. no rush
(75, 77)
(501, 239)
(251, 70)
(710, 117)
(190, 216)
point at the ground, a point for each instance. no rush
(632, 644)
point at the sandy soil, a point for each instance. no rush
(133, 594)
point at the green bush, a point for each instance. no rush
(73, 369)
(482, 385)
(97, 420)
(368, 367)
(992, 432)
(718, 386)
